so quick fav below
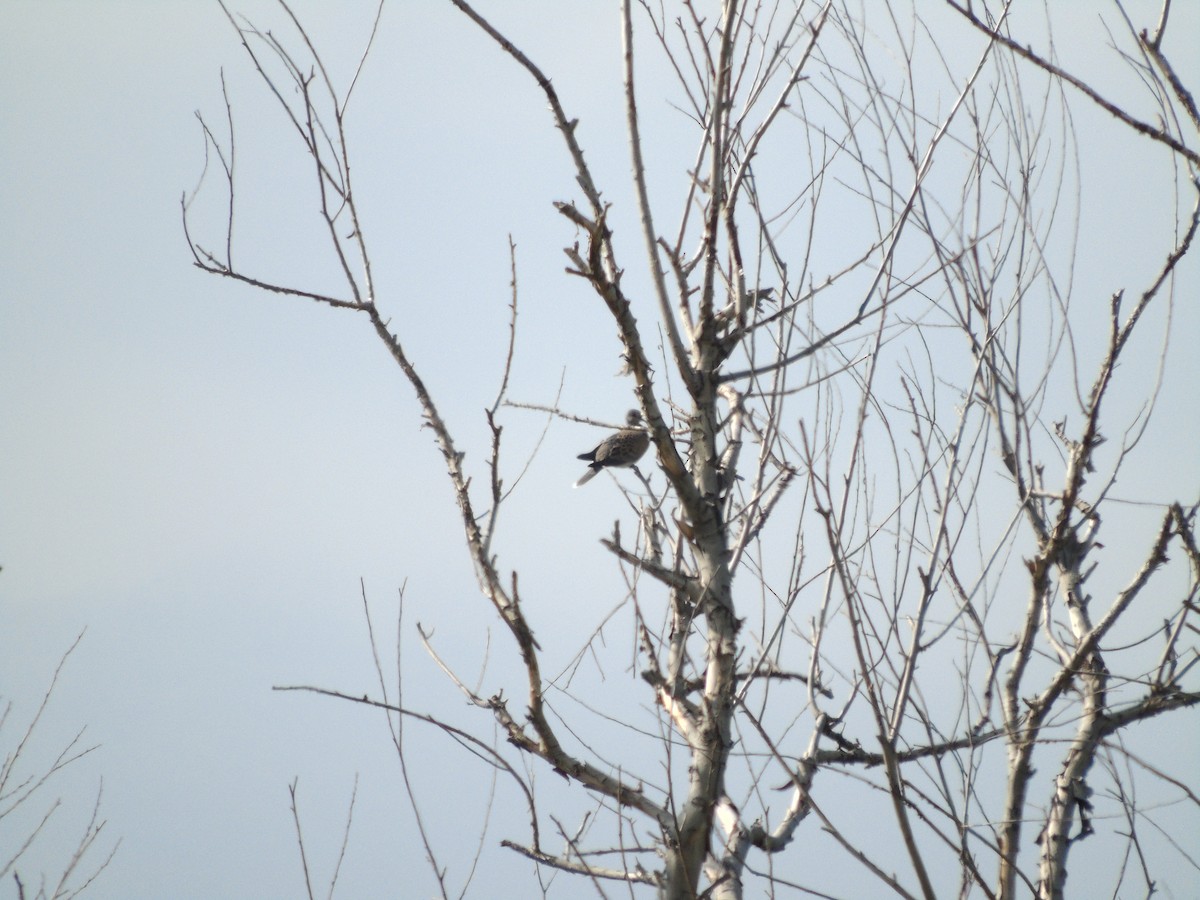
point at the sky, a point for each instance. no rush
(197, 477)
(204, 480)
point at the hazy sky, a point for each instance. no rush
(199, 475)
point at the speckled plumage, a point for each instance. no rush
(620, 449)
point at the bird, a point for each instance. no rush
(621, 448)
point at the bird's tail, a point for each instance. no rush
(587, 476)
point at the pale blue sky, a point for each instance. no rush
(199, 474)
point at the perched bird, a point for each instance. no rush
(621, 448)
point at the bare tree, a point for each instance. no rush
(886, 429)
(28, 816)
